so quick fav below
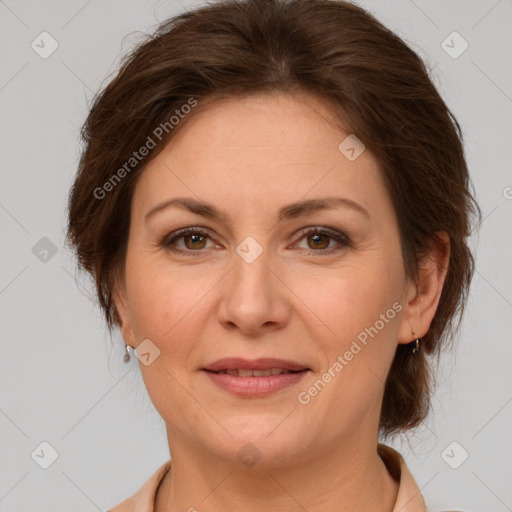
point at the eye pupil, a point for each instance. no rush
(318, 241)
(196, 238)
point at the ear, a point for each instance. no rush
(119, 297)
(423, 297)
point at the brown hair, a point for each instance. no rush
(335, 50)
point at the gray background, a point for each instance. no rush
(63, 383)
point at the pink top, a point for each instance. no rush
(409, 498)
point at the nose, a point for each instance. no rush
(255, 300)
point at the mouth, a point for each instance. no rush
(263, 364)
(257, 378)
(244, 372)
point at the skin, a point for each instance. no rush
(249, 157)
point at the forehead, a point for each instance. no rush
(261, 149)
(264, 116)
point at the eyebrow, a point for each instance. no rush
(290, 211)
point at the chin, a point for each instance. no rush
(264, 441)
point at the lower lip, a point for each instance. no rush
(255, 386)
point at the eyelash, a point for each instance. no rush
(342, 239)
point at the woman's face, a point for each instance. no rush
(250, 284)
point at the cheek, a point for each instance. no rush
(151, 304)
(350, 300)
(359, 312)
(359, 308)
(166, 302)
(168, 310)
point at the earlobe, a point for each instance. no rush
(424, 296)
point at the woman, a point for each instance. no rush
(273, 225)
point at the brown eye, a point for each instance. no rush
(323, 241)
(194, 241)
(318, 241)
(188, 241)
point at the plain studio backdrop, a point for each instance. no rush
(65, 392)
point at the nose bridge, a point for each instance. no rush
(252, 299)
(251, 273)
(251, 267)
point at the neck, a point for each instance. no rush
(351, 477)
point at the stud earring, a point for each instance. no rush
(126, 357)
(415, 345)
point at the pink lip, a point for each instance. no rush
(254, 386)
(251, 387)
(263, 363)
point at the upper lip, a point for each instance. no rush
(263, 363)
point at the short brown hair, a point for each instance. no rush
(376, 85)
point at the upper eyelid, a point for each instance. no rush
(186, 230)
(302, 232)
